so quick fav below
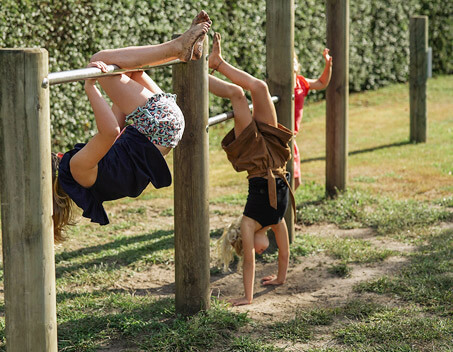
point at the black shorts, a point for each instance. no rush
(258, 207)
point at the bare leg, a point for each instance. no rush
(129, 90)
(120, 116)
(137, 56)
(125, 93)
(146, 81)
(263, 107)
(296, 182)
(242, 115)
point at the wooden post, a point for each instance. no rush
(280, 73)
(418, 38)
(26, 192)
(337, 96)
(191, 202)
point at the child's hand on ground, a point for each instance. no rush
(239, 301)
(271, 280)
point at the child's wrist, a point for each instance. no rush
(90, 86)
(280, 281)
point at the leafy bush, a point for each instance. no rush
(73, 30)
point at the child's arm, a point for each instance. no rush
(248, 269)
(323, 81)
(281, 236)
(84, 163)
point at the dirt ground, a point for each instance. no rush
(309, 284)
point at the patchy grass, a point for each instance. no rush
(114, 283)
(427, 280)
(142, 322)
(340, 270)
(397, 330)
(356, 208)
(299, 328)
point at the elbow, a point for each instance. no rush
(98, 56)
(110, 133)
(115, 133)
(323, 84)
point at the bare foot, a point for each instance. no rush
(198, 48)
(215, 58)
(189, 38)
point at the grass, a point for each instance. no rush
(398, 191)
(428, 280)
(397, 330)
(360, 209)
(144, 322)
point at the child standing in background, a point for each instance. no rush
(301, 89)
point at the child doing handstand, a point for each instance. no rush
(259, 145)
(119, 162)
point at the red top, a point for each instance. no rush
(300, 92)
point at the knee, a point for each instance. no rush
(259, 85)
(236, 93)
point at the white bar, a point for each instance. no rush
(92, 72)
(230, 114)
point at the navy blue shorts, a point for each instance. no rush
(258, 207)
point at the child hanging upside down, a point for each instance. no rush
(259, 145)
(121, 161)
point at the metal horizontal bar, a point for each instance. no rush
(214, 120)
(92, 72)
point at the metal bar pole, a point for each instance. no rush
(93, 72)
(214, 120)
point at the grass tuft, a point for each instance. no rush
(358, 209)
(427, 280)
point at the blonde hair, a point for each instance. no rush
(230, 243)
(297, 66)
(63, 205)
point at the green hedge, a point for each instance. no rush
(73, 30)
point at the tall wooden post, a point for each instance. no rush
(26, 192)
(280, 73)
(418, 38)
(191, 203)
(337, 96)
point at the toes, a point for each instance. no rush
(201, 17)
